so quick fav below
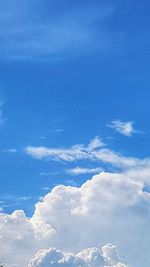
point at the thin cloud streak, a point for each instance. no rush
(94, 151)
(75, 152)
(79, 170)
(59, 33)
(10, 150)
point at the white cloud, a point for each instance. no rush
(75, 152)
(71, 154)
(91, 257)
(95, 151)
(110, 208)
(79, 170)
(95, 143)
(123, 127)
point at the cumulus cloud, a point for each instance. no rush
(91, 257)
(124, 127)
(109, 208)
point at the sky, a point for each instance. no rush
(74, 133)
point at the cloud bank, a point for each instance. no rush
(109, 208)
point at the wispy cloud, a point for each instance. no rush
(124, 127)
(25, 34)
(57, 130)
(94, 151)
(79, 170)
(49, 173)
(7, 201)
(43, 137)
(95, 143)
(75, 152)
(24, 198)
(10, 150)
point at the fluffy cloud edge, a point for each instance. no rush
(107, 256)
(72, 218)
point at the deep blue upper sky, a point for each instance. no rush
(67, 70)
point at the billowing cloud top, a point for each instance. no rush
(109, 208)
(91, 257)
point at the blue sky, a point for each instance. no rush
(67, 70)
(71, 73)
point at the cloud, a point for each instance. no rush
(94, 151)
(9, 150)
(79, 170)
(109, 208)
(91, 257)
(1, 209)
(7, 201)
(15, 234)
(76, 152)
(57, 130)
(125, 128)
(27, 34)
(95, 143)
